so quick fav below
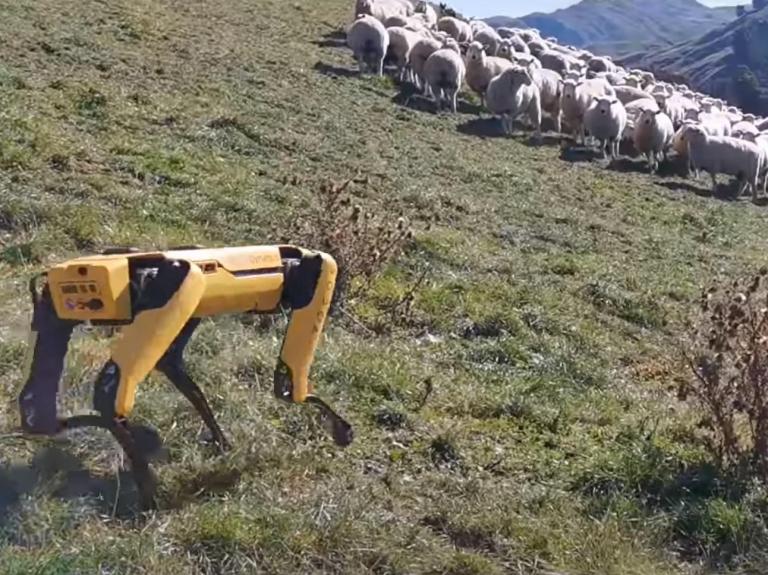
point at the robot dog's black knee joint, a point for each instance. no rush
(163, 286)
(105, 390)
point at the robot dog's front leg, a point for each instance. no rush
(49, 341)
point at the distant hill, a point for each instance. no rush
(618, 27)
(730, 62)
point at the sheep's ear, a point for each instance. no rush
(594, 99)
(657, 112)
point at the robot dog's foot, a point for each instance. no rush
(137, 443)
(338, 427)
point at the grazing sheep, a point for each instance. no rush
(512, 94)
(724, 155)
(605, 121)
(421, 51)
(456, 29)
(481, 69)
(444, 74)
(401, 42)
(575, 99)
(653, 136)
(369, 41)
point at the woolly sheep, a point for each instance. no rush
(481, 69)
(444, 74)
(715, 124)
(634, 111)
(401, 42)
(559, 62)
(627, 94)
(575, 99)
(455, 28)
(762, 142)
(537, 47)
(605, 120)
(396, 21)
(421, 51)
(598, 64)
(741, 129)
(653, 136)
(548, 82)
(674, 108)
(369, 41)
(430, 15)
(512, 94)
(488, 38)
(383, 9)
(724, 155)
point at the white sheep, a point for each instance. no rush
(481, 69)
(548, 83)
(605, 121)
(512, 94)
(401, 42)
(420, 53)
(762, 142)
(601, 64)
(444, 74)
(627, 94)
(742, 129)
(455, 28)
(488, 38)
(725, 155)
(560, 62)
(382, 10)
(653, 136)
(575, 99)
(369, 41)
(430, 15)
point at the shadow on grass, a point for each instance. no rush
(333, 39)
(65, 476)
(335, 71)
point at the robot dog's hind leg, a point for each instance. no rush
(172, 366)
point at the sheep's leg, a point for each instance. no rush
(558, 123)
(361, 64)
(714, 183)
(453, 95)
(381, 67)
(652, 161)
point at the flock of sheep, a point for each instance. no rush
(521, 76)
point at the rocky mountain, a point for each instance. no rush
(730, 62)
(619, 27)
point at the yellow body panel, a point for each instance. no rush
(304, 331)
(144, 342)
(91, 289)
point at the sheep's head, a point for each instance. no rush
(476, 52)
(506, 50)
(604, 105)
(520, 76)
(365, 6)
(421, 7)
(568, 89)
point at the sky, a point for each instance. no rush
(484, 8)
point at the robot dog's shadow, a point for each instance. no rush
(59, 474)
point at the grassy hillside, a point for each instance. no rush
(546, 326)
(617, 27)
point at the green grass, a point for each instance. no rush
(547, 324)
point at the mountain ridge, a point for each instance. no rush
(618, 27)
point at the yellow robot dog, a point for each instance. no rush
(160, 298)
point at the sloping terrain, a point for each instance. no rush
(521, 418)
(618, 27)
(711, 62)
